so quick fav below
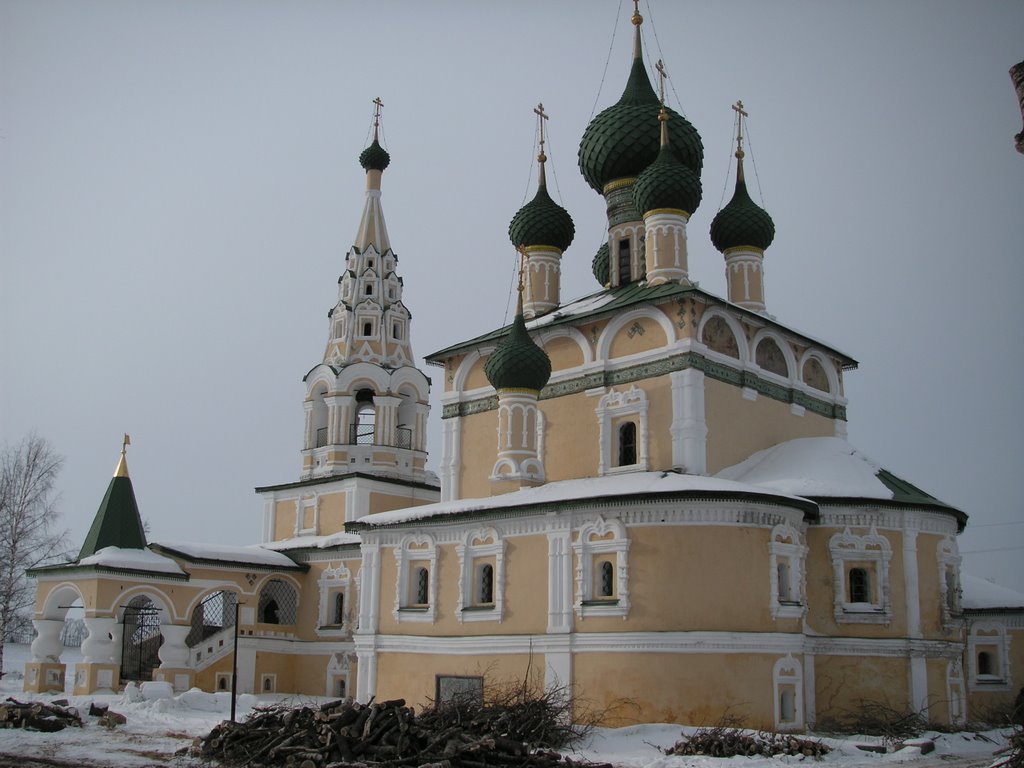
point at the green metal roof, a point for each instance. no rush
(374, 157)
(517, 362)
(742, 222)
(542, 221)
(117, 522)
(667, 183)
(599, 266)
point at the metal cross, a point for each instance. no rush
(541, 117)
(740, 114)
(662, 76)
(376, 111)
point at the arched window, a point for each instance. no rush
(485, 593)
(624, 266)
(422, 586)
(787, 705)
(860, 591)
(366, 418)
(319, 417)
(627, 444)
(278, 603)
(268, 684)
(606, 576)
(339, 608)
(782, 569)
(985, 663)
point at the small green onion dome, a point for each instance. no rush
(542, 221)
(742, 222)
(624, 139)
(600, 264)
(518, 363)
(374, 157)
(667, 183)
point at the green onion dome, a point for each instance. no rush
(374, 157)
(600, 264)
(742, 221)
(667, 183)
(623, 139)
(542, 221)
(518, 363)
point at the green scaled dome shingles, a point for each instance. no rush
(542, 221)
(624, 139)
(742, 222)
(599, 265)
(667, 183)
(374, 157)
(518, 363)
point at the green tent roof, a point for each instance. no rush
(117, 522)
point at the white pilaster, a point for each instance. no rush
(689, 428)
(559, 582)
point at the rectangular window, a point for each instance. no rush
(459, 688)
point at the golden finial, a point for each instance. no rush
(637, 21)
(740, 114)
(122, 464)
(637, 18)
(377, 106)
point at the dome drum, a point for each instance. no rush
(619, 204)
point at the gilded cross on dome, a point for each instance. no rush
(377, 106)
(541, 117)
(740, 114)
(662, 76)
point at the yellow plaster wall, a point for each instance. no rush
(738, 428)
(691, 688)
(563, 352)
(332, 512)
(988, 705)
(841, 682)
(651, 337)
(284, 519)
(929, 588)
(477, 377)
(938, 704)
(413, 676)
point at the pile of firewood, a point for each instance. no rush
(384, 733)
(37, 716)
(727, 742)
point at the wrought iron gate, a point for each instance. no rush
(141, 640)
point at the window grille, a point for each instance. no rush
(422, 586)
(215, 613)
(859, 586)
(278, 603)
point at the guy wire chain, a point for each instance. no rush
(661, 55)
(728, 163)
(611, 45)
(753, 162)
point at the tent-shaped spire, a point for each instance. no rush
(117, 522)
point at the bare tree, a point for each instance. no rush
(28, 534)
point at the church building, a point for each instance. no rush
(644, 495)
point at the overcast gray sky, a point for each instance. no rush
(179, 186)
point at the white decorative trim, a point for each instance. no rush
(559, 581)
(477, 544)
(786, 548)
(616, 405)
(956, 692)
(787, 678)
(339, 667)
(689, 428)
(333, 580)
(947, 554)
(995, 635)
(888, 518)
(592, 541)
(874, 551)
(404, 557)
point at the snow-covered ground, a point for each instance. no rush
(155, 729)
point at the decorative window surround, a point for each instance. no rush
(786, 549)
(871, 552)
(478, 544)
(595, 541)
(948, 556)
(411, 550)
(339, 669)
(955, 692)
(616, 405)
(333, 580)
(302, 507)
(788, 689)
(989, 637)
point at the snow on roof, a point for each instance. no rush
(812, 466)
(627, 484)
(581, 306)
(314, 542)
(133, 559)
(253, 554)
(978, 593)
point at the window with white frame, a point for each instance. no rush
(416, 585)
(787, 555)
(366, 327)
(988, 646)
(601, 550)
(860, 575)
(787, 685)
(623, 432)
(948, 556)
(482, 584)
(307, 515)
(334, 585)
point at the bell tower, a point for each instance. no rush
(366, 404)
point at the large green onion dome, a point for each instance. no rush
(600, 264)
(518, 363)
(542, 221)
(742, 222)
(623, 139)
(667, 183)
(374, 157)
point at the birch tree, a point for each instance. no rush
(29, 536)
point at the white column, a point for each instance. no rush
(366, 675)
(173, 651)
(47, 646)
(689, 428)
(918, 682)
(369, 589)
(450, 458)
(98, 645)
(810, 705)
(559, 582)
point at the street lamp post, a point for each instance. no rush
(234, 664)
